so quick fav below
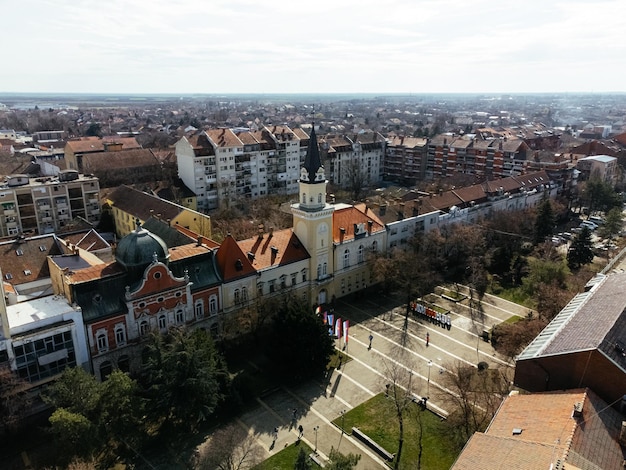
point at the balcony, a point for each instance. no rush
(46, 219)
(9, 212)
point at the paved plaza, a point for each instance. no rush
(364, 376)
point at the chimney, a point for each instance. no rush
(199, 240)
(260, 231)
(274, 252)
(342, 233)
(578, 410)
(622, 434)
(271, 231)
(356, 229)
(416, 210)
(370, 223)
(250, 256)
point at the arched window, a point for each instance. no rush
(303, 272)
(319, 271)
(319, 198)
(303, 198)
(199, 309)
(120, 335)
(324, 268)
(360, 254)
(162, 322)
(214, 331)
(180, 316)
(144, 327)
(244, 294)
(375, 246)
(346, 258)
(123, 364)
(213, 304)
(237, 297)
(105, 369)
(102, 341)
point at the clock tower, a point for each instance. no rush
(313, 222)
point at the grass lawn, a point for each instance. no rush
(376, 418)
(286, 458)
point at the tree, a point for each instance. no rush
(400, 390)
(473, 396)
(14, 399)
(75, 434)
(229, 448)
(94, 130)
(355, 179)
(580, 251)
(613, 223)
(184, 378)
(299, 344)
(338, 461)
(600, 195)
(544, 221)
(510, 339)
(302, 461)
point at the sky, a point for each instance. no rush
(323, 46)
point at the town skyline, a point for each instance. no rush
(241, 47)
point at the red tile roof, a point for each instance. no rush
(280, 247)
(232, 261)
(347, 217)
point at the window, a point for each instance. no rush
(237, 297)
(162, 322)
(144, 327)
(199, 309)
(213, 304)
(244, 294)
(294, 279)
(272, 285)
(120, 335)
(319, 198)
(283, 282)
(303, 198)
(102, 341)
(360, 254)
(214, 331)
(346, 258)
(319, 271)
(303, 272)
(180, 317)
(105, 369)
(324, 268)
(374, 246)
(259, 288)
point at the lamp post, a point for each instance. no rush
(430, 363)
(316, 428)
(343, 419)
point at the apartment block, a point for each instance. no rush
(46, 205)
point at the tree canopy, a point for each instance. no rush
(580, 251)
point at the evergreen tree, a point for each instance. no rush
(302, 461)
(580, 251)
(544, 222)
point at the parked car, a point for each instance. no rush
(596, 219)
(589, 224)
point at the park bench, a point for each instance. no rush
(372, 444)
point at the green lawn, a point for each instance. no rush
(376, 418)
(286, 458)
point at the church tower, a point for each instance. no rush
(313, 222)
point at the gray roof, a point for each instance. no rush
(595, 319)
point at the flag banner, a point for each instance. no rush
(331, 320)
(346, 325)
(338, 328)
(325, 318)
(318, 310)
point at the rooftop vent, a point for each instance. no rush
(250, 256)
(578, 409)
(517, 431)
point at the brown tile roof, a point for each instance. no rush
(224, 138)
(135, 158)
(549, 431)
(191, 234)
(143, 205)
(201, 145)
(93, 273)
(95, 144)
(301, 134)
(186, 251)
(408, 142)
(87, 240)
(247, 137)
(25, 260)
(232, 261)
(347, 217)
(280, 247)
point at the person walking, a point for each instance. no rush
(300, 431)
(427, 338)
(370, 345)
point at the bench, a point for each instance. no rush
(316, 458)
(372, 444)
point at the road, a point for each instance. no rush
(365, 375)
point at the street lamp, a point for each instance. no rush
(430, 363)
(316, 428)
(343, 419)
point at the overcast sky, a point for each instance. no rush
(323, 46)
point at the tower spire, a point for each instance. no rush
(312, 163)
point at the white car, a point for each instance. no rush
(590, 225)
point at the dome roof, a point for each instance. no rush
(139, 248)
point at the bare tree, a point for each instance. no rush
(14, 399)
(356, 180)
(400, 389)
(229, 448)
(473, 396)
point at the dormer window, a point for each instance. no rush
(27, 272)
(8, 276)
(238, 265)
(19, 252)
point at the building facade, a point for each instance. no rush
(46, 205)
